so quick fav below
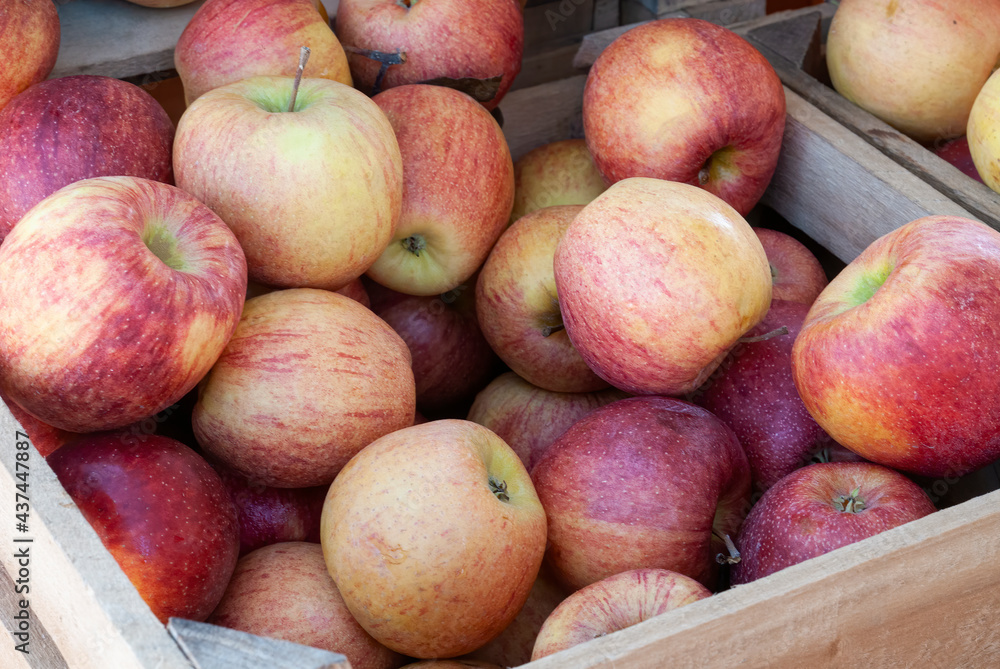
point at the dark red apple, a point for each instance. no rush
(821, 507)
(161, 511)
(72, 128)
(44, 437)
(796, 274)
(958, 154)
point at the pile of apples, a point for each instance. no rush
(325, 364)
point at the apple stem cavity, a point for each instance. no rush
(783, 330)
(734, 556)
(499, 488)
(414, 244)
(303, 59)
(703, 175)
(406, 4)
(851, 503)
(163, 244)
(384, 58)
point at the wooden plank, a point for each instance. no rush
(551, 65)
(118, 39)
(923, 594)
(76, 589)
(555, 22)
(542, 114)
(607, 14)
(642, 10)
(213, 647)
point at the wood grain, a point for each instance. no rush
(214, 647)
(542, 114)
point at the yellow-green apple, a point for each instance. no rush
(452, 361)
(283, 591)
(434, 575)
(529, 418)
(457, 192)
(614, 603)
(149, 290)
(29, 42)
(313, 195)
(309, 378)
(983, 133)
(753, 392)
(796, 274)
(897, 358)
(557, 173)
(44, 437)
(512, 647)
(518, 305)
(163, 514)
(958, 153)
(819, 508)
(458, 40)
(644, 482)
(72, 128)
(657, 280)
(230, 40)
(705, 108)
(879, 56)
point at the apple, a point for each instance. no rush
(353, 289)
(451, 664)
(530, 418)
(983, 133)
(43, 436)
(29, 43)
(897, 359)
(438, 40)
(614, 603)
(283, 591)
(518, 305)
(644, 482)
(819, 508)
(513, 646)
(163, 514)
(72, 128)
(796, 274)
(434, 536)
(958, 153)
(149, 288)
(269, 515)
(309, 378)
(657, 280)
(313, 195)
(457, 193)
(557, 173)
(230, 40)
(705, 108)
(916, 64)
(753, 392)
(452, 361)
(161, 4)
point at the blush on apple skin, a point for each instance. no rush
(162, 512)
(802, 516)
(557, 173)
(72, 128)
(29, 44)
(44, 437)
(796, 274)
(958, 154)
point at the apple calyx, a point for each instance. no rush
(499, 488)
(852, 503)
(414, 244)
(406, 4)
(734, 556)
(162, 243)
(783, 330)
(303, 59)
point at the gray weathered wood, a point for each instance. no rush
(798, 40)
(542, 114)
(213, 647)
(556, 22)
(607, 14)
(642, 10)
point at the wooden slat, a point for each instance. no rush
(542, 114)
(213, 647)
(642, 10)
(607, 14)
(555, 22)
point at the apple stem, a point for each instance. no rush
(549, 330)
(734, 556)
(783, 330)
(499, 488)
(303, 58)
(704, 175)
(850, 503)
(385, 58)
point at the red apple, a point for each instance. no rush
(451, 664)
(434, 536)
(553, 174)
(614, 603)
(443, 39)
(451, 359)
(518, 306)
(148, 292)
(44, 437)
(458, 188)
(819, 508)
(162, 512)
(283, 591)
(656, 282)
(645, 482)
(796, 274)
(957, 153)
(309, 378)
(897, 359)
(313, 195)
(72, 128)
(706, 109)
(29, 43)
(529, 418)
(753, 392)
(230, 40)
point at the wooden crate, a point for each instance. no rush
(920, 594)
